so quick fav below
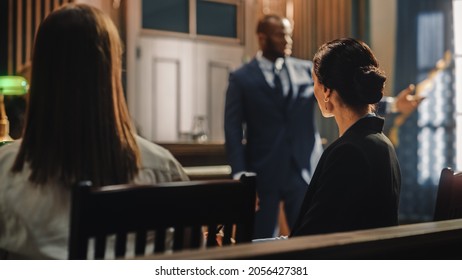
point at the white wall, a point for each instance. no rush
(172, 79)
(178, 79)
(383, 16)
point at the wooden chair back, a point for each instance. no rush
(449, 197)
(145, 211)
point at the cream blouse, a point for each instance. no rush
(34, 221)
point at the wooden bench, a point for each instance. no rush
(189, 207)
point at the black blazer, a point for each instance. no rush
(356, 183)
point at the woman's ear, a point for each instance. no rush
(327, 91)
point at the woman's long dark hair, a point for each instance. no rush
(77, 124)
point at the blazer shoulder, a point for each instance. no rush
(246, 67)
(300, 62)
(344, 158)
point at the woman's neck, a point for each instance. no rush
(347, 118)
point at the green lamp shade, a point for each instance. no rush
(13, 85)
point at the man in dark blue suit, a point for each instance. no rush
(270, 107)
(270, 126)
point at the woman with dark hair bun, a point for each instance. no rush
(357, 181)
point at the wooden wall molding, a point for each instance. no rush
(24, 18)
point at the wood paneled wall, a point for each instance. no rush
(24, 18)
(319, 21)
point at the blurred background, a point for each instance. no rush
(179, 54)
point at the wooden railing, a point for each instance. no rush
(201, 161)
(433, 240)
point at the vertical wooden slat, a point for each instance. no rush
(140, 242)
(19, 45)
(196, 236)
(47, 8)
(363, 23)
(322, 19)
(38, 14)
(178, 238)
(349, 14)
(339, 26)
(28, 30)
(301, 30)
(10, 37)
(24, 18)
(319, 21)
(344, 22)
(315, 18)
(333, 13)
(121, 244)
(100, 247)
(227, 234)
(159, 244)
(297, 45)
(342, 27)
(328, 20)
(323, 33)
(319, 16)
(212, 235)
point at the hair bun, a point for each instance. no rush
(368, 83)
